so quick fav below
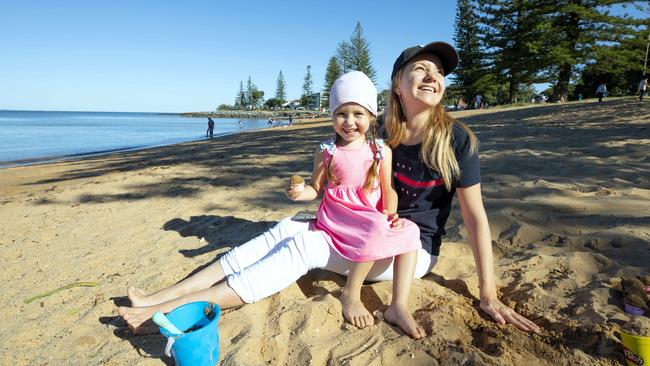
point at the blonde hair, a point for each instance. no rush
(372, 177)
(436, 151)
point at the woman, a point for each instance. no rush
(435, 156)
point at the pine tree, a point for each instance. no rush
(355, 54)
(344, 56)
(250, 87)
(515, 42)
(360, 53)
(307, 87)
(240, 101)
(471, 76)
(331, 74)
(280, 92)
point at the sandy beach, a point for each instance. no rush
(566, 188)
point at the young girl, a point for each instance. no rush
(351, 226)
(359, 190)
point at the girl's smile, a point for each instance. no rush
(351, 122)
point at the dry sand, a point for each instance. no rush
(566, 187)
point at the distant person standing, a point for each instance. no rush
(643, 85)
(241, 125)
(210, 131)
(290, 121)
(601, 92)
(478, 102)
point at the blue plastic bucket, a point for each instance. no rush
(200, 346)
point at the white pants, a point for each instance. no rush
(276, 259)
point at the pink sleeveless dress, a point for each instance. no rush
(351, 218)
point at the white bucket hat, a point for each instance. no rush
(354, 87)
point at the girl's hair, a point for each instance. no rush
(372, 175)
(436, 151)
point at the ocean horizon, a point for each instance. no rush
(32, 137)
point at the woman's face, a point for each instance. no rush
(422, 84)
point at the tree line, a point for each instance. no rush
(353, 54)
(507, 46)
(573, 45)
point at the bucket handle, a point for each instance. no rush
(168, 347)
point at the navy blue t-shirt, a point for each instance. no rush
(422, 196)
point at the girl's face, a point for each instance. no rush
(351, 122)
(422, 83)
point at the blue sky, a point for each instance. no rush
(172, 56)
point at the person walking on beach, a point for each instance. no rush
(352, 230)
(643, 85)
(478, 101)
(210, 131)
(601, 92)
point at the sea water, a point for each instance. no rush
(27, 137)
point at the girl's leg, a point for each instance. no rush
(199, 281)
(246, 254)
(287, 262)
(235, 260)
(281, 267)
(382, 270)
(220, 294)
(398, 312)
(353, 309)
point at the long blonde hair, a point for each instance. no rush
(372, 175)
(436, 151)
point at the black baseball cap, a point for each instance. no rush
(445, 52)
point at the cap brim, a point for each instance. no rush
(445, 52)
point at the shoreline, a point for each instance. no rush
(92, 154)
(18, 160)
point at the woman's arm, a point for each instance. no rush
(476, 222)
(313, 189)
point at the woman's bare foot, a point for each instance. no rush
(403, 318)
(138, 319)
(354, 311)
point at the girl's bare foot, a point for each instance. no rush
(138, 297)
(354, 311)
(403, 318)
(138, 319)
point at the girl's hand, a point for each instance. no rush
(503, 314)
(293, 192)
(395, 221)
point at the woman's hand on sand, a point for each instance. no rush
(395, 221)
(503, 314)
